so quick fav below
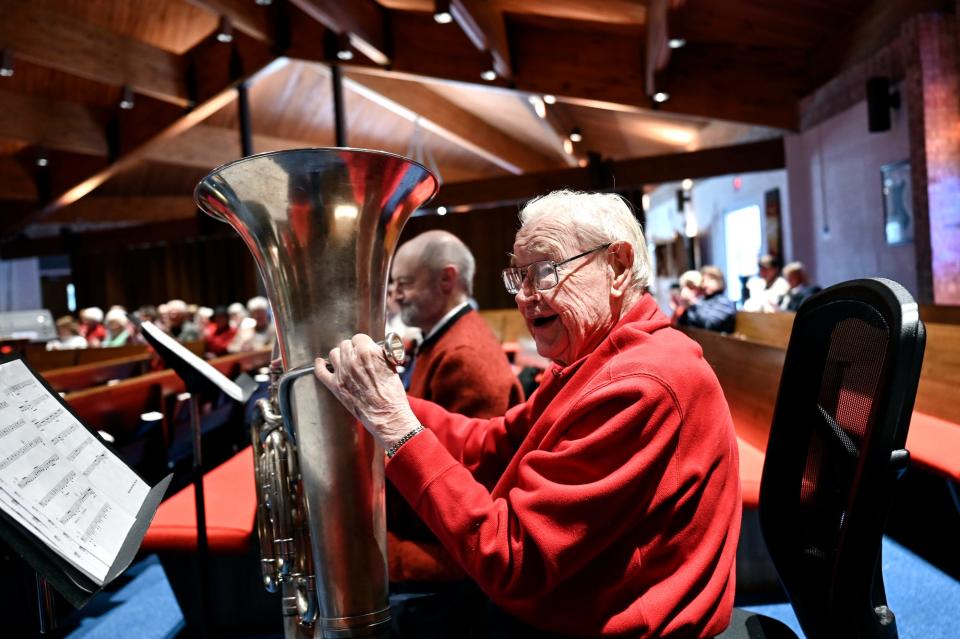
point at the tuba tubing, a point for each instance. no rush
(322, 225)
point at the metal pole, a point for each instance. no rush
(202, 547)
(47, 605)
(243, 109)
(339, 126)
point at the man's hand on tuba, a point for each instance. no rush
(358, 374)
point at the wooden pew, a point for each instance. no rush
(74, 378)
(749, 363)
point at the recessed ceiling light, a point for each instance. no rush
(441, 210)
(660, 97)
(576, 136)
(489, 75)
(676, 43)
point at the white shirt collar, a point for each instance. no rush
(443, 320)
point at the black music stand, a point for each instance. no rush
(199, 378)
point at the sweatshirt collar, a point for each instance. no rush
(645, 316)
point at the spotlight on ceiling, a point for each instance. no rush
(225, 30)
(539, 106)
(676, 43)
(441, 210)
(549, 98)
(127, 98)
(576, 135)
(441, 12)
(489, 75)
(6, 63)
(660, 97)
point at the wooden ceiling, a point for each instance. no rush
(71, 156)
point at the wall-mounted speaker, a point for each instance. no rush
(880, 99)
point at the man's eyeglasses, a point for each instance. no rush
(543, 275)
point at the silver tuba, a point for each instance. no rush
(322, 225)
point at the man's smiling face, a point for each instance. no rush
(569, 320)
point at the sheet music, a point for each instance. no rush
(58, 480)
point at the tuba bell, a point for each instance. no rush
(322, 225)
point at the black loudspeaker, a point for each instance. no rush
(879, 102)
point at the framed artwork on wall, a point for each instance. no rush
(897, 202)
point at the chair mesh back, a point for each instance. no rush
(842, 421)
(845, 397)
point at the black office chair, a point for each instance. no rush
(835, 451)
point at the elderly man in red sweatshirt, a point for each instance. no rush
(616, 505)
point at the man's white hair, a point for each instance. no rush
(594, 219)
(440, 248)
(258, 303)
(92, 313)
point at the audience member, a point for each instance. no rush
(237, 313)
(117, 331)
(255, 331)
(460, 365)
(68, 335)
(608, 504)
(688, 293)
(219, 333)
(767, 289)
(91, 326)
(714, 311)
(800, 287)
(178, 323)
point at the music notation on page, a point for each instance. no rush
(58, 480)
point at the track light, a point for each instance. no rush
(660, 97)
(126, 98)
(539, 106)
(549, 98)
(441, 12)
(576, 135)
(489, 75)
(676, 43)
(6, 63)
(344, 52)
(225, 30)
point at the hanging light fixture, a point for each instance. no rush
(6, 63)
(576, 135)
(441, 12)
(127, 98)
(344, 52)
(225, 30)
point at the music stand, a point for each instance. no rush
(198, 377)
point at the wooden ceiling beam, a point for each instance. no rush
(450, 121)
(245, 15)
(626, 12)
(423, 48)
(54, 39)
(484, 26)
(207, 147)
(16, 183)
(67, 126)
(767, 155)
(134, 209)
(216, 70)
(364, 21)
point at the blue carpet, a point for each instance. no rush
(145, 607)
(923, 598)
